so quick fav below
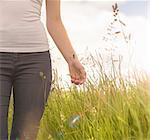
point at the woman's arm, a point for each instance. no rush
(57, 30)
(58, 33)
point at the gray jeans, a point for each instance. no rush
(30, 76)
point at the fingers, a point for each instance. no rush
(75, 79)
(79, 78)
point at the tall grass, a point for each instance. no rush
(113, 109)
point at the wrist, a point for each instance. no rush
(72, 59)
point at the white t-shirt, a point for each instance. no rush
(21, 29)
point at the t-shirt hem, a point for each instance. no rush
(24, 50)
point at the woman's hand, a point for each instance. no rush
(77, 72)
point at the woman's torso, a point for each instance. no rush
(21, 29)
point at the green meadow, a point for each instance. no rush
(111, 109)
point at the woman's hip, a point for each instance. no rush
(25, 65)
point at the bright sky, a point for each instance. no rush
(86, 22)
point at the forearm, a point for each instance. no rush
(58, 33)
